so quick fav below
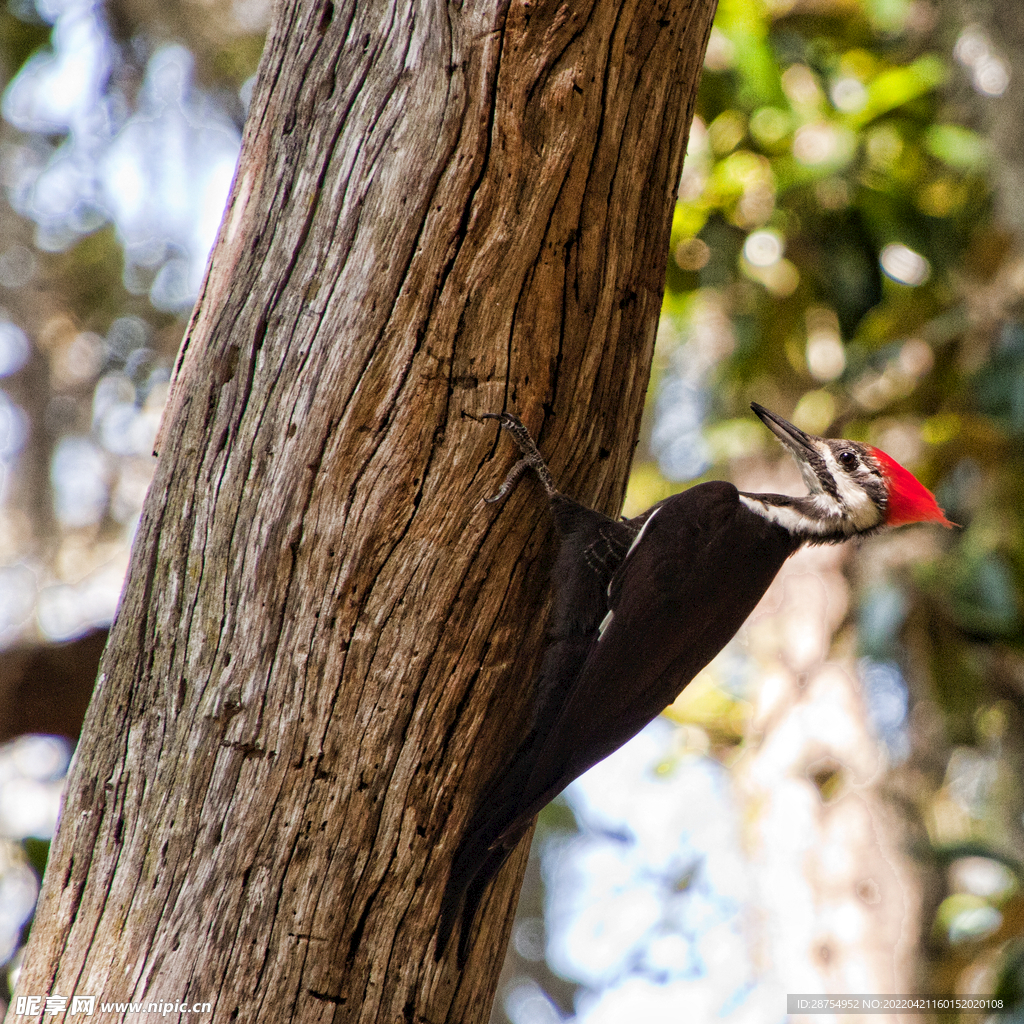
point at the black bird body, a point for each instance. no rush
(641, 606)
(696, 593)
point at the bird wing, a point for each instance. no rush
(591, 548)
(681, 594)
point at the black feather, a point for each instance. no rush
(580, 603)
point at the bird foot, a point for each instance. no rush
(532, 458)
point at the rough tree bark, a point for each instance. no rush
(326, 641)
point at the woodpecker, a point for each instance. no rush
(642, 605)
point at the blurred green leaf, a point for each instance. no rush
(898, 86)
(956, 146)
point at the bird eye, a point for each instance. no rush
(848, 460)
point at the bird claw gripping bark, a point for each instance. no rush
(532, 458)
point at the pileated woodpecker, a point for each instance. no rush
(642, 605)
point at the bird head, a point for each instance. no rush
(854, 487)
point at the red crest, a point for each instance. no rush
(909, 500)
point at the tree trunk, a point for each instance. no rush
(326, 641)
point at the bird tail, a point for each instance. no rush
(501, 820)
(512, 800)
(472, 871)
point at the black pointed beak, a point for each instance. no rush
(799, 443)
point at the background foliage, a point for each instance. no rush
(846, 251)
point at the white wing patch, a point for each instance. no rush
(607, 620)
(643, 530)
